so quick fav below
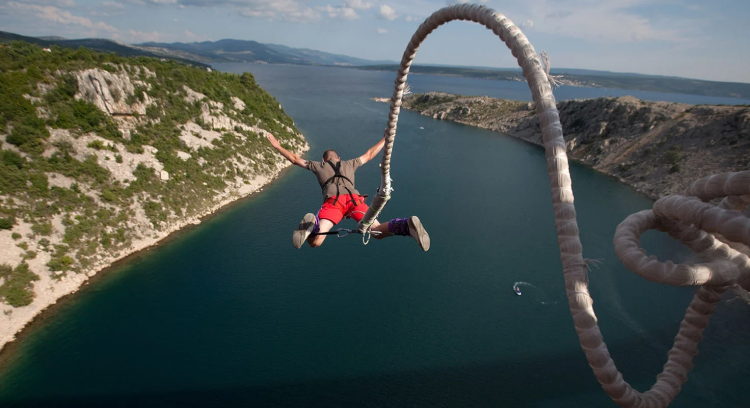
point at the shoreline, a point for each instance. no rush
(640, 190)
(25, 326)
(656, 148)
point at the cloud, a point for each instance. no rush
(527, 24)
(140, 36)
(189, 34)
(287, 10)
(343, 13)
(559, 14)
(387, 12)
(55, 15)
(452, 2)
(56, 3)
(359, 4)
(154, 2)
(111, 5)
(614, 21)
(382, 31)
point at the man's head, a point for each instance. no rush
(330, 155)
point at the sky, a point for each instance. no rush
(686, 38)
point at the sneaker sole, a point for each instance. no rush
(304, 229)
(417, 231)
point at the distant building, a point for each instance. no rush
(46, 50)
(208, 69)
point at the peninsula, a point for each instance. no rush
(658, 148)
(102, 156)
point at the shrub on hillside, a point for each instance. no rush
(6, 223)
(17, 289)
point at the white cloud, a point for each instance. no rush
(189, 35)
(55, 3)
(600, 21)
(451, 2)
(359, 4)
(287, 10)
(55, 15)
(527, 24)
(382, 31)
(140, 36)
(387, 12)
(155, 2)
(111, 5)
(343, 13)
(409, 18)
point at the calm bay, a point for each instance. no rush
(230, 314)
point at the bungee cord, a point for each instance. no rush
(720, 234)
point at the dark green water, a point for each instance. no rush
(230, 314)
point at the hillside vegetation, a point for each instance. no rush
(103, 155)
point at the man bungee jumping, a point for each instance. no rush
(342, 200)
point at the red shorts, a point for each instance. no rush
(335, 211)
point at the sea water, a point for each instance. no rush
(230, 314)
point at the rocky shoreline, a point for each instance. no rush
(658, 148)
(50, 291)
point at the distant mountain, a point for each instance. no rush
(590, 78)
(324, 58)
(252, 51)
(96, 44)
(203, 53)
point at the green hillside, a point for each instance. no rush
(100, 152)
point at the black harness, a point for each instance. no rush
(337, 175)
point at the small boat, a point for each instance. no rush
(517, 290)
(421, 127)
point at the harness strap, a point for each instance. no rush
(337, 174)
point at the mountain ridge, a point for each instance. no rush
(233, 51)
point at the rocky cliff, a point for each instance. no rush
(659, 148)
(101, 156)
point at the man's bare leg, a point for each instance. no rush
(382, 229)
(324, 225)
(411, 226)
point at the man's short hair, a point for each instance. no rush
(330, 155)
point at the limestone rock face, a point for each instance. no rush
(109, 92)
(238, 104)
(656, 147)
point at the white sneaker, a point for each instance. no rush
(417, 231)
(304, 229)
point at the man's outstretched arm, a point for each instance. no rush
(373, 151)
(286, 153)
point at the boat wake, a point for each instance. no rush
(536, 293)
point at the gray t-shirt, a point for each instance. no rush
(323, 172)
